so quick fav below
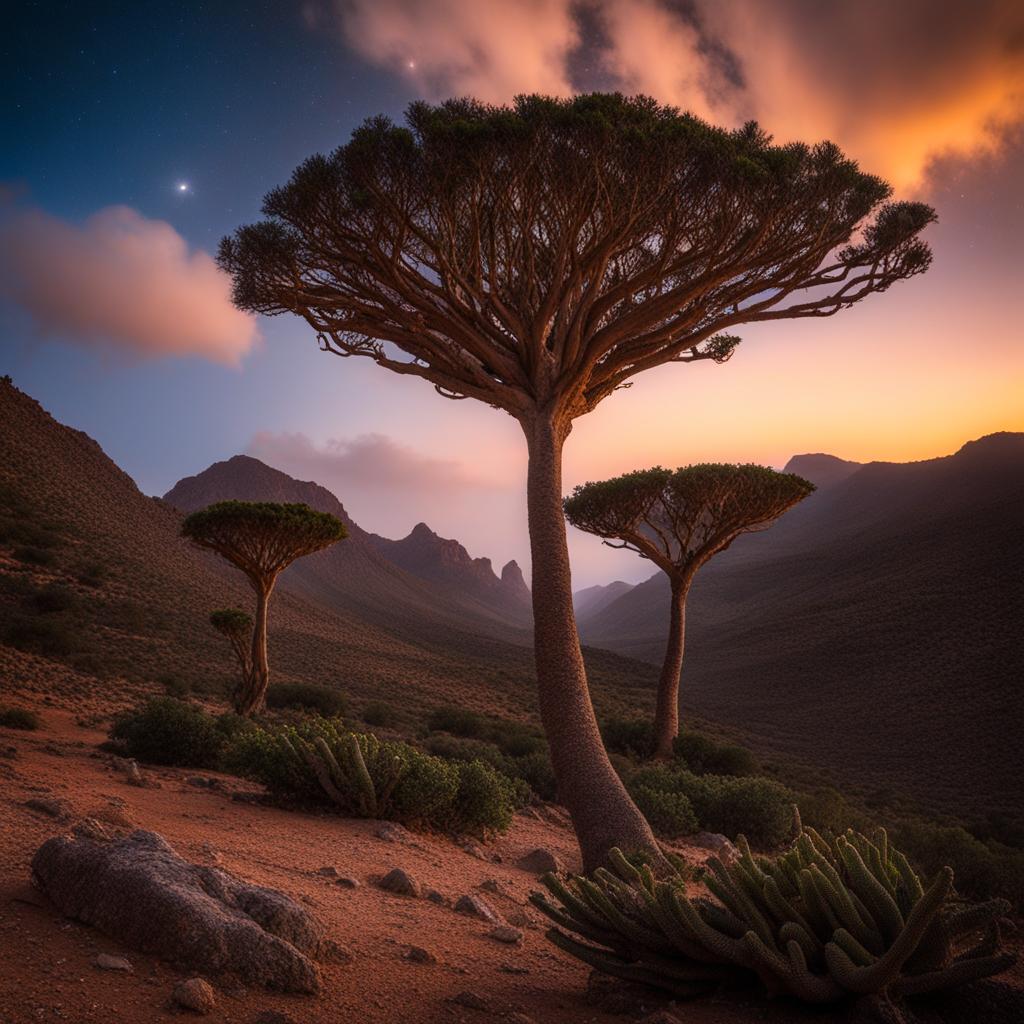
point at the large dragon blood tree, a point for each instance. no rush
(262, 539)
(536, 258)
(679, 520)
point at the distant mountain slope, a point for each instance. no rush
(430, 557)
(876, 628)
(591, 600)
(821, 470)
(413, 583)
(143, 595)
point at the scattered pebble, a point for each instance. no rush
(328, 871)
(471, 1000)
(392, 832)
(507, 934)
(195, 994)
(400, 882)
(106, 962)
(539, 861)
(437, 897)
(419, 955)
(475, 906)
(348, 882)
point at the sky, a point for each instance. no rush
(132, 137)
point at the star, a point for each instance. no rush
(183, 187)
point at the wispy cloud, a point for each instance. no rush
(896, 84)
(120, 281)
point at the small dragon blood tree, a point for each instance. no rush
(236, 625)
(262, 539)
(679, 520)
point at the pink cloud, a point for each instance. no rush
(467, 47)
(896, 84)
(121, 281)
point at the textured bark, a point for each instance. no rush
(251, 697)
(666, 712)
(602, 812)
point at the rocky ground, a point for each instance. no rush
(448, 937)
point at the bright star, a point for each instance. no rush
(182, 186)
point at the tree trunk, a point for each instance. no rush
(602, 812)
(251, 698)
(666, 713)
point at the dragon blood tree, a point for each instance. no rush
(538, 257)
(679, 520)
(262, 539)
(236, 625)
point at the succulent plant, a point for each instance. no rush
(825, 921)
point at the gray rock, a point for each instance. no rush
(540, 861)
(718, 844)
(195, 994)
(50, 806)
(507, 934)
(419, 955)
(106, 962)
(328, 871)
(399, 881)
(140, 892)
(392, 832)
(437, 897)
(471, 1000)
(476, 906)
(348, 882)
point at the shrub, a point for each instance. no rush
(457, 721)
(174, 685)
(54, 598)
(632, 737)
(48, 635)
(669, 814)
(169, 731)
(826, 922)
(380, 714)
(759, 808)
(35, 556)
(18, 718)
(536, 771)
(321, 699)
(317, 762)
(705, 756)
(93, 574)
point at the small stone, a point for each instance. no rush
(419, 955)
(106, 962)
(392, 832)
(505, 933)
(437, 897)
(717, 843)
(328, 871)
(539, 861)
(52, 806)
(492, 885)
(90, 828)
(334, 952)
(514, 969)
(400, 882)
(274, 1017)
(470, 1000)
(195, 994)
(348, 882)
(473, 848)
(475, 906)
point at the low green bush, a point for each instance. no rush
(168, 731)
(50, 635)
(631, 737)
(18, 718)
(54, 598)
(706, 756)
(458, 722)
(536, 771)
(670, 814)
(317, 762)
(307, 696)
(757, 807)
(31, 555)
(380, 714)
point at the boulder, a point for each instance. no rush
(195, 994)
(476, 906)
(141, 893)
(401, 882)
(540, 862)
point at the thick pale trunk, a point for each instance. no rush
(252, 696)
(666, 712)
(602, 812)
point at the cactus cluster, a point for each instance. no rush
(341, 769)
(824, 921)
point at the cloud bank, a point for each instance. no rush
(896, 84)
(367, 461)
(121, 281)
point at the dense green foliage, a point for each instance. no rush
(18, 718)
(757, 807)
(318, 762)
(307, 697)
(825, 922)
(700, 753)
(232, 622)
(171, 732)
